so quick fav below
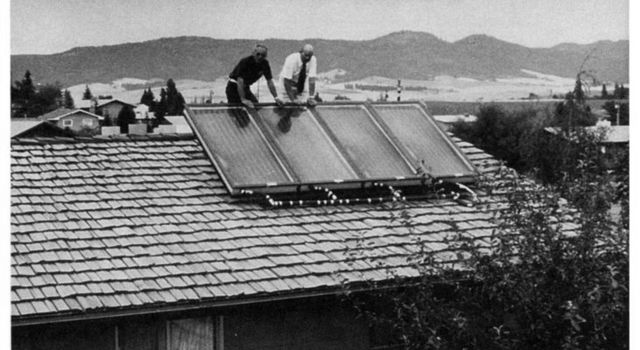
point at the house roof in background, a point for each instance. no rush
(611, 133)
(453, 118)
(616, 134)
(102, 103)
(64, 112)
(19, 126)
(135, 224)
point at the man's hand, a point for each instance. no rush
(279, 102)
(248, 103)
(311, 102)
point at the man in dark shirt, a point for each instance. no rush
(247, 72)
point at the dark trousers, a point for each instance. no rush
(234, 97)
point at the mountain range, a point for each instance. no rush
(399, 55)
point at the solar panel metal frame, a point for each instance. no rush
(339, 152)
(296, 186)
(376, 124)
(188, 112)
(474, 173)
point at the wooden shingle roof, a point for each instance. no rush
(132, 224)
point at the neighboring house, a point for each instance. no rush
(111, 108)
(144, 243)
(29, 128)
(447, 121)
(74, 119)
(142, 113)
(615, 139)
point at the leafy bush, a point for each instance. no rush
(556, 275)
(499, 133)
(541, 286)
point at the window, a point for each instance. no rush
(67, 123)
(88, 122)
(334, 146)
(201, 333)
(195, 334)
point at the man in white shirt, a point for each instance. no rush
(299, 67)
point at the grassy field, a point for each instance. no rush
(449, 108)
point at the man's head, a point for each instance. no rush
(260, 52)
(307, 52)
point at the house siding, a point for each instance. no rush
(309, 326)
(320, 323)
(72, 336)
(77, 121)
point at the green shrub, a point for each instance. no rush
(538, 288)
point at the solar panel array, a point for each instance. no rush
(335, 145)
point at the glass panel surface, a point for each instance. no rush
(425, 144)
(364, 142)
(307, 149)
(191, 334)
(237, 146)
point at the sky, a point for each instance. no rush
(51, 26)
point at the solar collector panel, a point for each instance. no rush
(238, 147)
(336, 146)
(423, 140)
(306, 147)
(364, 142)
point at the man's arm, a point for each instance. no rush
(312, 91)
(313, 68)
(312, 86)
(274, 93)
(243, 98)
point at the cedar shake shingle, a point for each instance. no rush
(114, 225)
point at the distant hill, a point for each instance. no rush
(400, 55)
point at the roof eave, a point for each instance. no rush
(18, 321)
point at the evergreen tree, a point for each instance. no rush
(175, 101)
(48, 97)
(107, 121)
(621, 113)
(68, 100)
(144, 98)
(32, 102)
(623, 93)
(22, 95)
(87, 93)
(573, 111)
(604, 91)
(148, 99)
(125, 117)
(26, 88)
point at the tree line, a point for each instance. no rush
(29, 100)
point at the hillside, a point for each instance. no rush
(399, 55)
